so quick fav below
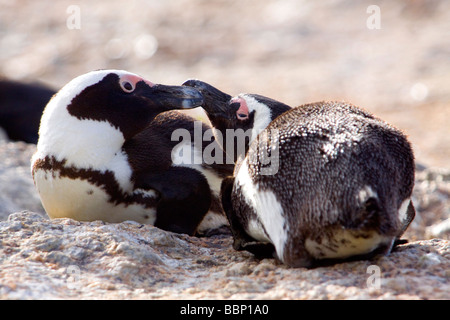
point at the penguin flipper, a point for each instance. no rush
(185, 198)
(240, 236)
(236, 228)
(410, 214)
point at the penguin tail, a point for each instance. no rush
(374, 214)
(370, 212)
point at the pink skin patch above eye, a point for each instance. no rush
(133, 79)
(242, 112)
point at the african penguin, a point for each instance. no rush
(105, 153)
(323, 182)
(21, 106)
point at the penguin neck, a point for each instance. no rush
(82, 143)
(233, 142)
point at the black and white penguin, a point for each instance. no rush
(21, 106)
(322, 183)
(236, 120)
(105, 152)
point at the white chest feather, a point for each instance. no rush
(262, 118)
(268, 209)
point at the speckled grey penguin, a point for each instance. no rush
(341, 185)
(105, 153)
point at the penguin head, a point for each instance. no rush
(100, 110)
(245, 111)
(123, 99)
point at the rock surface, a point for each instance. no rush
(63, 258)
(431, 197)
(17, 191)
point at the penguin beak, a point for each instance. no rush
(174, 97)
(216, 102)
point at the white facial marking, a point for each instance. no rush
(263, 115)
(267, 207)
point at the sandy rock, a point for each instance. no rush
(17, 191)
(63, 258)
(431, 197)
(439, 230)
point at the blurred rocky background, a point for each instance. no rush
(389, 57)
(292, 50)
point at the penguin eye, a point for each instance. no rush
(242, 116)
(127, 86)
